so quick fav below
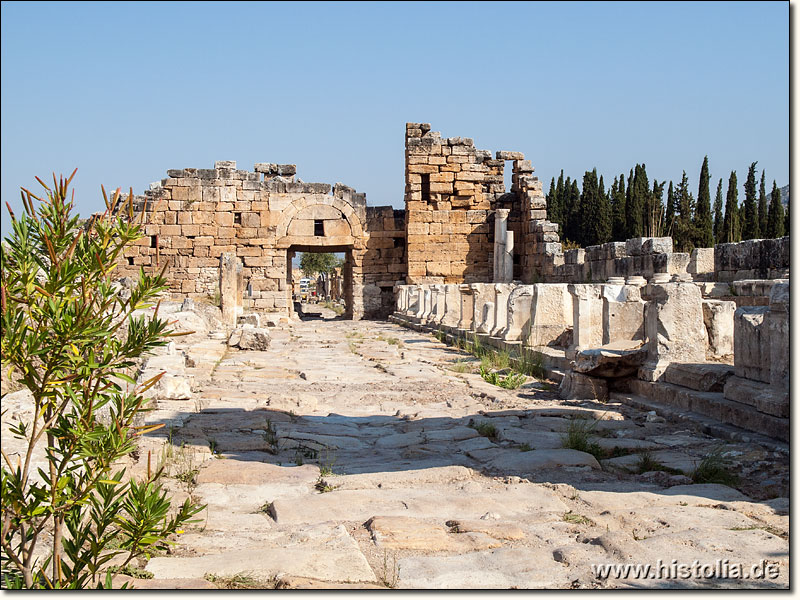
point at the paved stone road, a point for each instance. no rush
(347, 454)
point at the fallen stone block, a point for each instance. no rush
(619, 359)
(703, 377)
(576, 386)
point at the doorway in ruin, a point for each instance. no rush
(334, 291)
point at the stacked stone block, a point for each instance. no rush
(194, 216)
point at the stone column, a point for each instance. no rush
(508, 258)
(230, 268)
(467, 307)
(587, 317)
(519, 314)
(400, 298)
(501, 293)
(500, 231)
(674, 328)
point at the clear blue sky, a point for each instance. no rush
(126, 91)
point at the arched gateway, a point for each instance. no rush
(264, 217)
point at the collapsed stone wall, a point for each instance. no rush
(194, 216)
(453, 192)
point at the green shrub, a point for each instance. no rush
(510, 381)
(74, 342)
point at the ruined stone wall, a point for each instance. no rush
(452, 191)
(264, 217)
(751, 259)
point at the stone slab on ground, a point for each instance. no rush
(502, 568)
(407, 533)
(534, 460)
(318, 551)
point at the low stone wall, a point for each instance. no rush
(686, 345)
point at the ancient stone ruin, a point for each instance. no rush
(705, 333)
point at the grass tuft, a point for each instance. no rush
(713, 468)
(579, 437)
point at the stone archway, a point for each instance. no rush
(325, 224)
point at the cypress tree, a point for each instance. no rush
(703, 226)
(669, 218)
(636, 204)
(750, 221)
(550, 199)
(718, 213)
(657, 215)
(786, 220)
(572, 211)
(604, 218)
(628, 203)
(684, 229)
(730, 226)
(775, 218)
(589, 209)
(762, 208)
(618, 229)
(559, 210)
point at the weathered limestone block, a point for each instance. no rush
(751, 345)
(707, 377)
(620, 359)
(426, 303)
(501, 293)
(482, 294)
(779, 336)
(519, 314)
(413, 300)
(623, 313)
(452, 305)
(701, 261)
(718, 319)
(437, 313)
(764, 398)
(467, 302)
(587, 316)
(487, 319)
(674, 327)
(551, 313)
(250, 338)
(229, 268)
(576, 386)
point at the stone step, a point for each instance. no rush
(702, 377)
(711, 411)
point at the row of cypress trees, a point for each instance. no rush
(630, 208)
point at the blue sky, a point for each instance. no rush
(126, 91)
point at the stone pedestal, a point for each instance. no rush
(674, 328)
(501, 293)
(718, 319)
(551, 313)
(519, 314)
(751, 345)
(587, 317)
(452, 305)
(483, 293)
(779, 336)
(623, 313)
(467, 307)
